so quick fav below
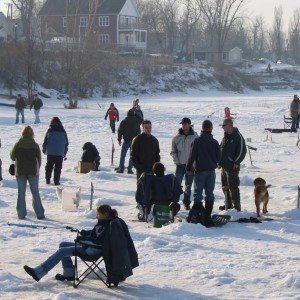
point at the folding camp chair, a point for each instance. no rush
(93, 265)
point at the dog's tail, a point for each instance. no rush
(267, 186)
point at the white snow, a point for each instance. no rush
(179, 261)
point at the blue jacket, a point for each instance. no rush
(205, 153)
(56, 141)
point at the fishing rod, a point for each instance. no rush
(37, 226)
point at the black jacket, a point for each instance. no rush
(129, 128)
(145, 151)
(157, 190)
(90, 153)
(119, 253)
(205, 153)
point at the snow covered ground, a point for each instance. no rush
(179, 261)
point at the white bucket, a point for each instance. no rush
(69, 200)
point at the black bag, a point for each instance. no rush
(11, 170)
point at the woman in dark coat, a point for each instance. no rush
(117, 249)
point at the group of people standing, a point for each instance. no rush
(26, 154)
(196, 158)
(20, 106)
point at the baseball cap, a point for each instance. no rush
(186, 120)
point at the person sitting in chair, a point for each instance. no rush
(105, 233)
(157, 189)
(90, 154)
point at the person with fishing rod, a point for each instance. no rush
(109, 229)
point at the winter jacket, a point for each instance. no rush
(112, 113)
(27, 156)
(157, 190)
(56, 141)
(20, 103)
(138, 114)
(233, 149)
(144, 151)
(119, 253)
(129, 128)
(294, 107)
(90, 153)
(181, 146)
(205, 153)
(36, 104)
(97, 234)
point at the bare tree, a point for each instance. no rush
(26, 10)
(276, 35)
(221, 15)
(294, 36)
(187, 23)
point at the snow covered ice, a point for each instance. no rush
(179, 261)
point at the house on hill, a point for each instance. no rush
(112, 23)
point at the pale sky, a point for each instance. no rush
(254, 7)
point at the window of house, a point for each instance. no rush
(224, 56)
(64, 21)
(103, 21)
(143, 37)
(83, 21)
(104, 39)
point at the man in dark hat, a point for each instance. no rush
(204, 158)
(181, 147)
(36, 103)
(128, 129)
(233, 152)
(20, 106)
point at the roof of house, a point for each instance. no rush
(73, 7)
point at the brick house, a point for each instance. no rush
(107, 22)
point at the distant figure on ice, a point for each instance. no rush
(233, 152)
(295, 112)
(128, 129)
(118, 249)
(181, 148)
(113, 116)
(20, 106)
(36, 103)
(90, 154)
(145, 150)
(27, 156)
(137, 110)
(55, 145)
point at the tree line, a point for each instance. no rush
(174, 28)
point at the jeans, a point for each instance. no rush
(179, 173)
(230, 183)
(63, 254)
(36, 199)
(18, 112)
(295, 122)
(204, 181)
(56, 162)
(125, 146)
(112, 125)
(37, 116)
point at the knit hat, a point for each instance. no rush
(207, 126)
(112, 104)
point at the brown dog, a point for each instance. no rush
(261, 195)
